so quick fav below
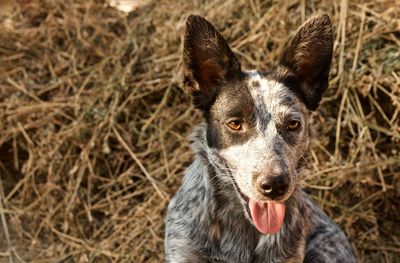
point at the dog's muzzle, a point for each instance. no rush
(273, 187)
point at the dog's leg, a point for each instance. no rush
(178, 252)
(185, 230)
(326, 242)
(329, 245)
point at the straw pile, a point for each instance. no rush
(94, 120)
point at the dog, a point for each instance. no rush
(240, 200)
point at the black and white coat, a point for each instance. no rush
(255, 132)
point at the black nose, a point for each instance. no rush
(273, 186)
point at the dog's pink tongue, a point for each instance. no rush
(267, 217)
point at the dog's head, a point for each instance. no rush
(257, 122)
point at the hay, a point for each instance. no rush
(94, 119)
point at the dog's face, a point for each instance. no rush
(257, 123)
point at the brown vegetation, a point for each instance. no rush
(94, 120)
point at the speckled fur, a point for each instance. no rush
(208, 220)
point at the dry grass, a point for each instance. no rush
(94, 119)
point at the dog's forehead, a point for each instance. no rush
(233, 101)
(271, 96)
(257, 95)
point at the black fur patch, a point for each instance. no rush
(307, 59)
(255, 83)
(313, 256)
(208, 61)
(234, 101)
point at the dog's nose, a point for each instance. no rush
(273, 186)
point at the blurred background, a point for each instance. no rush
(94, 121)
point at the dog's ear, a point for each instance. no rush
(208, 61)
(308, 57)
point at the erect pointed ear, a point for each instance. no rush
(208, 61)
(308, 57)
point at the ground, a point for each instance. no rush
(94, 121)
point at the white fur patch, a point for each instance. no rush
(258, 155)
(272, 93)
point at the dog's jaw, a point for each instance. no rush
(226, 178)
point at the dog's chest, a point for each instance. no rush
(238, 242)
(233, 242)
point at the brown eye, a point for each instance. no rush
(293, 125)
(235, 125)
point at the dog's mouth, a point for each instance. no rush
(267, 217)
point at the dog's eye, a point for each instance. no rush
(235, 125)
(293, 125)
